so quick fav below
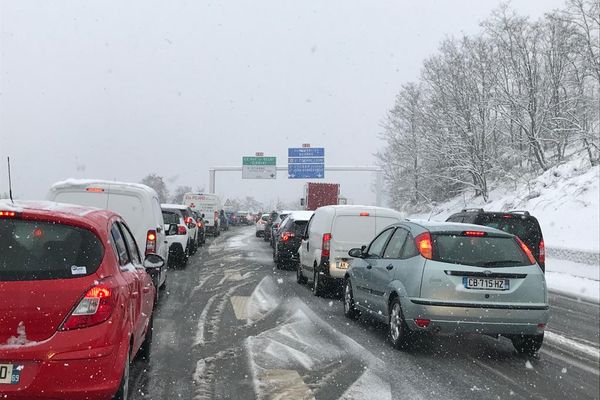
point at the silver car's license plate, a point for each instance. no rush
(486, 283)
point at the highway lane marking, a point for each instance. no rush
(570, 361)
(280, 384)
(239, 304)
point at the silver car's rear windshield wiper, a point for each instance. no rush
(502, 263)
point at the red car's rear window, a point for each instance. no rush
(34, 250)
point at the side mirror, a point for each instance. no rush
(153, 262)
(172, 230)
(356, 253)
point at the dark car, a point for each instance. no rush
(519, 223)
(289, 237)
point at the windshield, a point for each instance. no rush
(484, 251)
(35, 250)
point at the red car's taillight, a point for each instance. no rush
(95, 307)
(424, 245)
(326, 245)
(151, 242)
(542, 256)
(181, 230)
(285, 236)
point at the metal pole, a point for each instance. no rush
(211, 180)
(378, 188)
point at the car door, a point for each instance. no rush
(305, 247)
(373, 260)
(384, 272)
(147, 291)
(129, 273)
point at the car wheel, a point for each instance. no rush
(528, 344)
(164, 284)
(146, 347)
(123, 392)
(350, 310)
(399, 333)
(257, 235)
(317, 287)
(184, 258)
(299, 277)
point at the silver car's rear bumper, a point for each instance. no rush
(493, 319)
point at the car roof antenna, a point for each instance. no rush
(9, 182)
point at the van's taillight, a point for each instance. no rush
(151, 242)
(424, 245)
(364, 214)
(542, 256)
(285, 236)
(95, 307)
(9, 214)
(181, 230)
(526, 250)
(326, 245)
(94, 190)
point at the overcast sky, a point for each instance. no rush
(119, 89)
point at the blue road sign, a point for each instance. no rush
(306, 171)
(306, 163)
(306, 152)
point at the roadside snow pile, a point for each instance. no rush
(574, 279)
(565, 200)
(262, 301)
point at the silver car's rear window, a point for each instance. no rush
(35, 250)
(487, 251)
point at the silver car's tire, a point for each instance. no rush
(528, 344)
(350, 310)
(398, 332)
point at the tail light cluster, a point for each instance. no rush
(326, 245)
(285, 236)
(181, 230)
(10, 214)
(424, 245)
(526, 250)
(151, 242)
(542, 256)
(96, 306)
(189, 220)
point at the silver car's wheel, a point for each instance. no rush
(350, 310)
(399, 333)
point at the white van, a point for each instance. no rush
(138, 205)
(208, 204)
(331, 233)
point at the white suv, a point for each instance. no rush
(185, 243)
(330, 234)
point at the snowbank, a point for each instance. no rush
(565, 200)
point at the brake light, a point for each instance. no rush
(542, 256)
(94, 190)
(9, 214)
(364, 214)
(189, 220)
(151, 242)
(326, 245)
(424, 245)
(526, 250)
(285, 236)
(474, 233)
(422, 322)
(200, 225)
(181, 230)
(507, 216)
(95, 307)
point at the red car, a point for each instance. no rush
(76, 302)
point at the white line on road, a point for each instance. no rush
(564, 342)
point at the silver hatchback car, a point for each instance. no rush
(451, 278)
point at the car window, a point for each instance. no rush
(410, 248)
(308, 226)
(131, 245)
(120, 246)
(170, 217)
(394, 247)
(486, 251)
(34, 250)
(299, 227)
(455, 218)
(377, 245)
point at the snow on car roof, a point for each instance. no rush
(176, 206)
(113, 184)
(41, 205)
(301, 215)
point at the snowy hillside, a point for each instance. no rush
(565, 200)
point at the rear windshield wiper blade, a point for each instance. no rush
(502, 263)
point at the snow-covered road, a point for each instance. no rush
(232, 326)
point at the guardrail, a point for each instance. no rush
(580, 256)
